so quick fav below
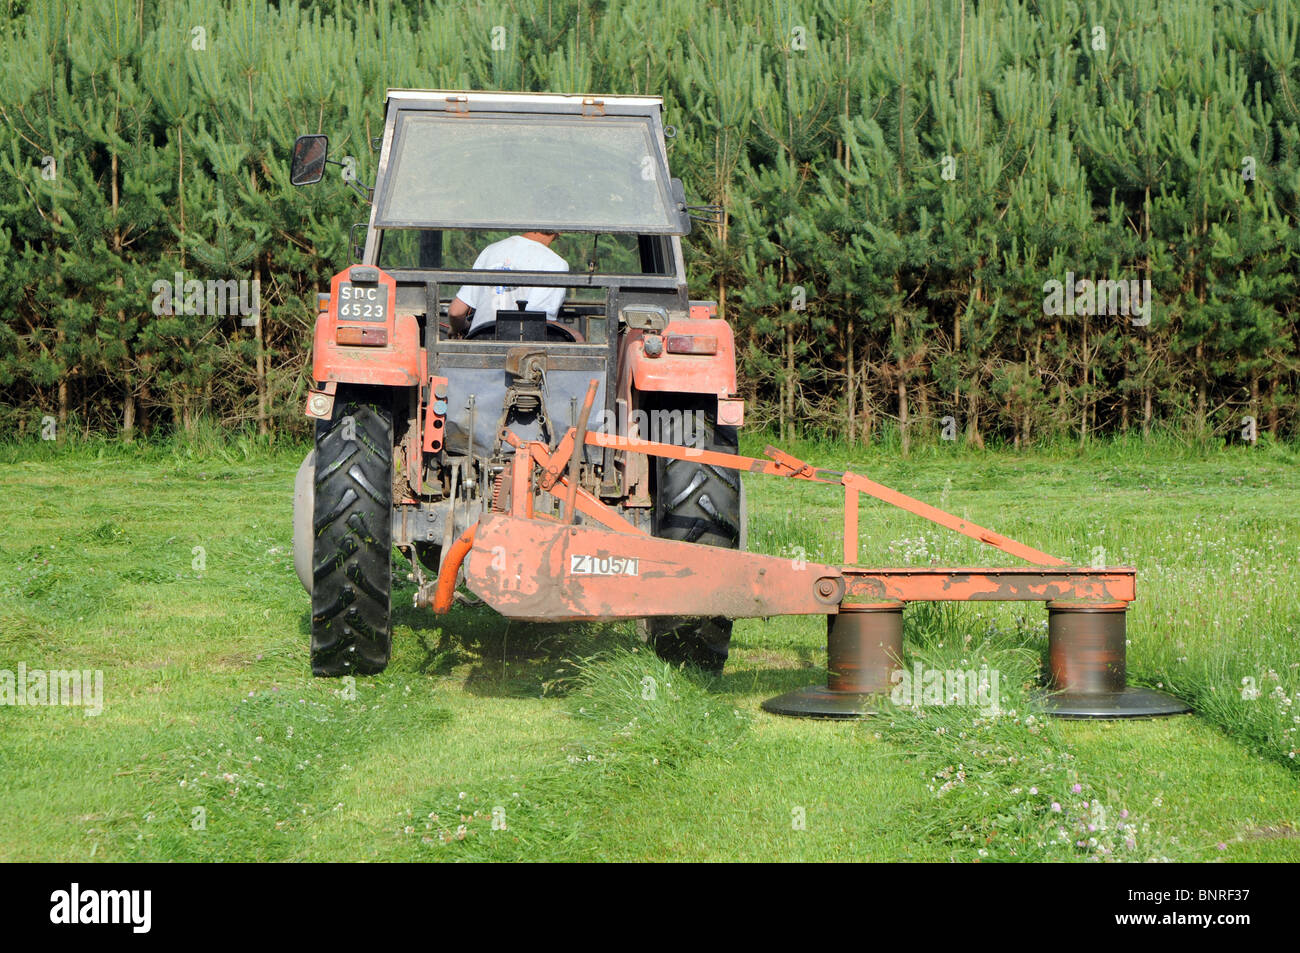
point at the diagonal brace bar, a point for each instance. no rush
(783, 464)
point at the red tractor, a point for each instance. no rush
(521, 285)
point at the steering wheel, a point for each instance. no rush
(554, 332)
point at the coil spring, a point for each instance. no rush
(527, 403)
(497, 486)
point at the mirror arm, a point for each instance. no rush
(367, 192)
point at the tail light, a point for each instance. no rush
(692, 344)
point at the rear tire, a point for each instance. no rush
(351, 604)
(304, 538)
(695, 503)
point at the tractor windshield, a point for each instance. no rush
(510, 171)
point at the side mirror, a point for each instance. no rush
(307, 164)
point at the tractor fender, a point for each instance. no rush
(304, 504)
(395, 362)
(660, 370)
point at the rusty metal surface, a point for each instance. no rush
(590, 505)
(667, 577)
(864, 644)
(550, 481)
(1087, 661)
(783, 464)
(1086, 651)
(361, 337)
(1014, 584)
(675, 578)
(521, 483)
(435, 415)
(850, 526)
(396, 364)
(732, 461)
(542, 570)
(686, 373)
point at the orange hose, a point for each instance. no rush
(446, 592)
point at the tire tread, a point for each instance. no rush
(351, 622)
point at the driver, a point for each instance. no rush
(530, 251)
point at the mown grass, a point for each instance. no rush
(487, 740)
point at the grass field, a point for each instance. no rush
(170, 570)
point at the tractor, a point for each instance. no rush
(421, 405)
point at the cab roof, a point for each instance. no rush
(569, 163)
(461, 101)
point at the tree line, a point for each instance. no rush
(1013, 221)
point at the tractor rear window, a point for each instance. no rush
(564, 173)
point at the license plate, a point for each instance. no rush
(362, 302)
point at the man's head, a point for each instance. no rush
(545, 238)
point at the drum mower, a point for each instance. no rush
(539, 568)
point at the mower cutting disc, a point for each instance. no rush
(1128, 703)
(818, 701)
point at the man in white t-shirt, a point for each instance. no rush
(530, 251)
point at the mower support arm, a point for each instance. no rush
(782, 464)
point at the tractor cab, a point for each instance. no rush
(555, 218)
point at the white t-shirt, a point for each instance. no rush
(515, 253)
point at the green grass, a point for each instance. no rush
(488, 740)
